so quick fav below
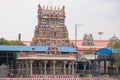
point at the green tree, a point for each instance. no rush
(117, 60)
(3, 41)
(17, 43)
(6, 42)
(117, 45)
(117, 56)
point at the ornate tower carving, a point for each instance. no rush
(112, 41)
(88, 40)
(51, 28)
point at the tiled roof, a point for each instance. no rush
(23, 48)
(97, 43)
(102, 43)
(36, 48)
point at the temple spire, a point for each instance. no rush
(48, 31)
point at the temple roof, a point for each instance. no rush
(97, 43)
(104, 52)
(48, 58)
(36, 48)
(113, 38)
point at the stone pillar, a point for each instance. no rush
(51, 68)
(65, 62)
(18, 64)
(27, 68)
(102, 66)
(45, 63)
(22, 67)
(54, 62)
(73, 68)
(31, 66)
(69, 68)
(41, 68)
(107, 64)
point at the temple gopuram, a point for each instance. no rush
(51, 28)
(51, 52)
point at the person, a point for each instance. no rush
(8, 73)
(11, 74)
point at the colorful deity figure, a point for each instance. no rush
(88, 40)
(51, 28)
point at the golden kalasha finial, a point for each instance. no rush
(55, 7)
(58, 7)
(43, 6)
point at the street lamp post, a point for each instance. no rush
(76, 33)
(100, 33)
(76, 42)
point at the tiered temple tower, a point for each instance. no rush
(51, 28)
(88, 40)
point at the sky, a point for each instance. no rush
(20, 16)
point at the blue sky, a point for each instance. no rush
(20, 16)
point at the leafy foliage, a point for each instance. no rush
(117, 55)
(3, 41)
(117, 45)
(117, 60)
(15, 43)
(6, 42)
